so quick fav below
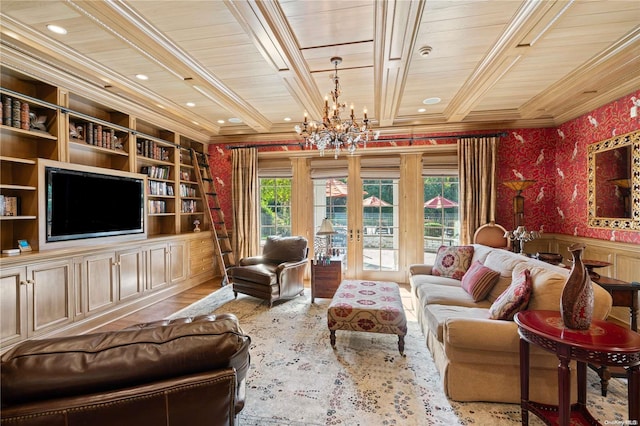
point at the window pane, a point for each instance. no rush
(275, 211)
(441, 214)
(380, 224)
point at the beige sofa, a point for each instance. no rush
(478, 357)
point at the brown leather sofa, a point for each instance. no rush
(277, 274)
(187, 371)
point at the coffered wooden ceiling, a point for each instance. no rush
(494, 64)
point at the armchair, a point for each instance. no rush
(277, 274)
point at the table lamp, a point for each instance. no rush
(326, 228)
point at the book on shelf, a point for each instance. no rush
(9, 206)
(157, 206)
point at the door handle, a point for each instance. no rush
(358, 235)
(350, 234)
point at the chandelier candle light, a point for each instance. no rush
(521, 235)
(334, 132)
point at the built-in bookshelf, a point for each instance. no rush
(40, 120)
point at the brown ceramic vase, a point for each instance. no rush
(576, 305)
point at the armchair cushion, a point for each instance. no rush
(284, 249)
(264, 273)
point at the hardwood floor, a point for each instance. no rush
(163, 308)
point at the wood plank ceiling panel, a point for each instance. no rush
(567, 44)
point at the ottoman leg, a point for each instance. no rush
(332, 338)
(401, 344)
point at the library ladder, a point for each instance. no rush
(214, 214)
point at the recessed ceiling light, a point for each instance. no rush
(220, 121)
(422, 110)
(234, 120)
(142, 77)
(190, 104)
(287, 119)
(432, 101)
(56, 29)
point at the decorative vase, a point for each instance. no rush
(576, 304)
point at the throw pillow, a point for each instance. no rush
(514, 299)
(479, 280)
(452, 261)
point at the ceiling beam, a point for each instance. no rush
(396, 28)
(268, 28)
(528, 25)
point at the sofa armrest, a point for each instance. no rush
(482, 334)
(420, 269)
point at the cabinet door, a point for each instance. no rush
(99, 281)
(158, 267)
(50, 295)
(13, 305)
(178, 256)
(130, 274)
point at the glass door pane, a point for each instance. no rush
(330, 201)
(380, 225)
(441, 215)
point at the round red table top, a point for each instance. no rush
(602, 336)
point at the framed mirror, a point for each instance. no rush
(614, 182)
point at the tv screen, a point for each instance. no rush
(88, 205)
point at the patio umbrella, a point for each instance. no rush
(439, 202)
(336, 188)
(374, 201)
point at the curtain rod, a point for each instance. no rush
(410, 140)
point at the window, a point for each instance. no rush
(441, 214)
(275, 207)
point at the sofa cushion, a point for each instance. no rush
(547, 285)
(430, 294)
(284, 249)
(479, 280)
(437, 316)
(514, 299)
(502, 261)
(452, 261)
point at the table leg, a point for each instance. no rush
(582, 383)
(332, 338)
(633, 377)
(401, 344)
(564, 391)
(524, 381)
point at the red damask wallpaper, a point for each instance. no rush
(556, 158)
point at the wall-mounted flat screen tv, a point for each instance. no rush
(82, 204)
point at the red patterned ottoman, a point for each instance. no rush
(373, 306)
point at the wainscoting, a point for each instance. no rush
(624, 259)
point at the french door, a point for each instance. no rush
(364, 213)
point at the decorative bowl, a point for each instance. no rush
(552, 258)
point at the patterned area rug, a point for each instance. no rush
(297, 379)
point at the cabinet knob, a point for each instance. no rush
(23, 282)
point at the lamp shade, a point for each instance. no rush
(519, 185)
(326, 228)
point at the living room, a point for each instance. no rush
(548, 106)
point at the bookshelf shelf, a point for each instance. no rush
(17, 160)
(80, 144)
(28, 133)
(18, 187)
(18, 217)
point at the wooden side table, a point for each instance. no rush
(603, 344)
(325, 279)
(623, 294)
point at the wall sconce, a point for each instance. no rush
(518, 200)
(326, 228)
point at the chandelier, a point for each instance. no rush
(333, 132)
